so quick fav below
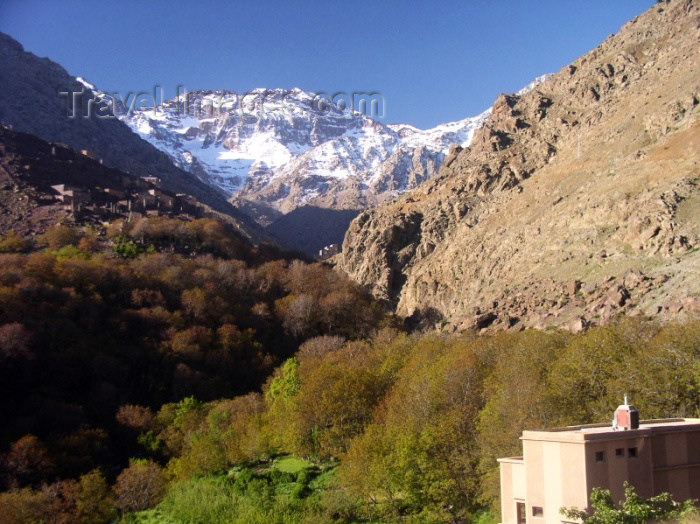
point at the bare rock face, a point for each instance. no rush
(573, 203)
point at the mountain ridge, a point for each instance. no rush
(285, 149)
(565, 209)
(32, 103)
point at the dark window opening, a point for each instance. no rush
(632, 452)
(620, 452)
(537, 511)
(520, 512)
(600, 456)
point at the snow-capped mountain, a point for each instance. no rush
(276, 150)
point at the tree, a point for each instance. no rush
(418, 455)
(15, 341)
(88, 244)
(286, 383)
(298, 313)
(516, 394)
(664, 377)
(633, 509)
(333, 407)
(138, 418)
(584, 377)
(176, 422)
(28, 461)
(59, 236)
(317, 347)
(93, 499)
(126, 248)
(191, 343)
(140, 486)
(57, 500)
(11, 242)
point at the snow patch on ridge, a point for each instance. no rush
(242, 144)
(288, 134)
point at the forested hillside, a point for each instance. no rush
(394, 427)
(147, 312)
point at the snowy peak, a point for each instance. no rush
(242, 143)
(535, 83)
(225, 137)
(445, 135)
(273, 151)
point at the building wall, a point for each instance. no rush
(559, 468)
(676, 457)
(556, 478)
(513, 487)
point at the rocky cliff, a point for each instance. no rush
(574, 202)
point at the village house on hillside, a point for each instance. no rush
(138, 197)
(560, 467)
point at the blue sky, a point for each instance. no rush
(433, 61)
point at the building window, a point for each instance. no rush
(632, 452)
(537, 511)
(520, 512)
(620, 452)
(600, 456)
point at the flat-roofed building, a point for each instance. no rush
(560, 467)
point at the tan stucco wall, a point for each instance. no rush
(613, 471)
(676, 462)
(555, 473)
(512, 487)
(560, 467)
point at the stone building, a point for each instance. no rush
(560, 467)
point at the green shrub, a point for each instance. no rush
(11, 242)
(243, 478)
(633, 509)
(201, 500)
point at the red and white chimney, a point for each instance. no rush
(626, 417)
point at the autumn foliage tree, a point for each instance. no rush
(58, 236)
(15, 342)
(140, 486)
(85, 334)
(28, 462)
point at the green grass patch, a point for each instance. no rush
(325, 480)
(289, 490)
(290, 464)
(248, 496)
(203, 500)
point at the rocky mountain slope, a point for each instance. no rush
(574, 202)
(276, 150)
(31, 102)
